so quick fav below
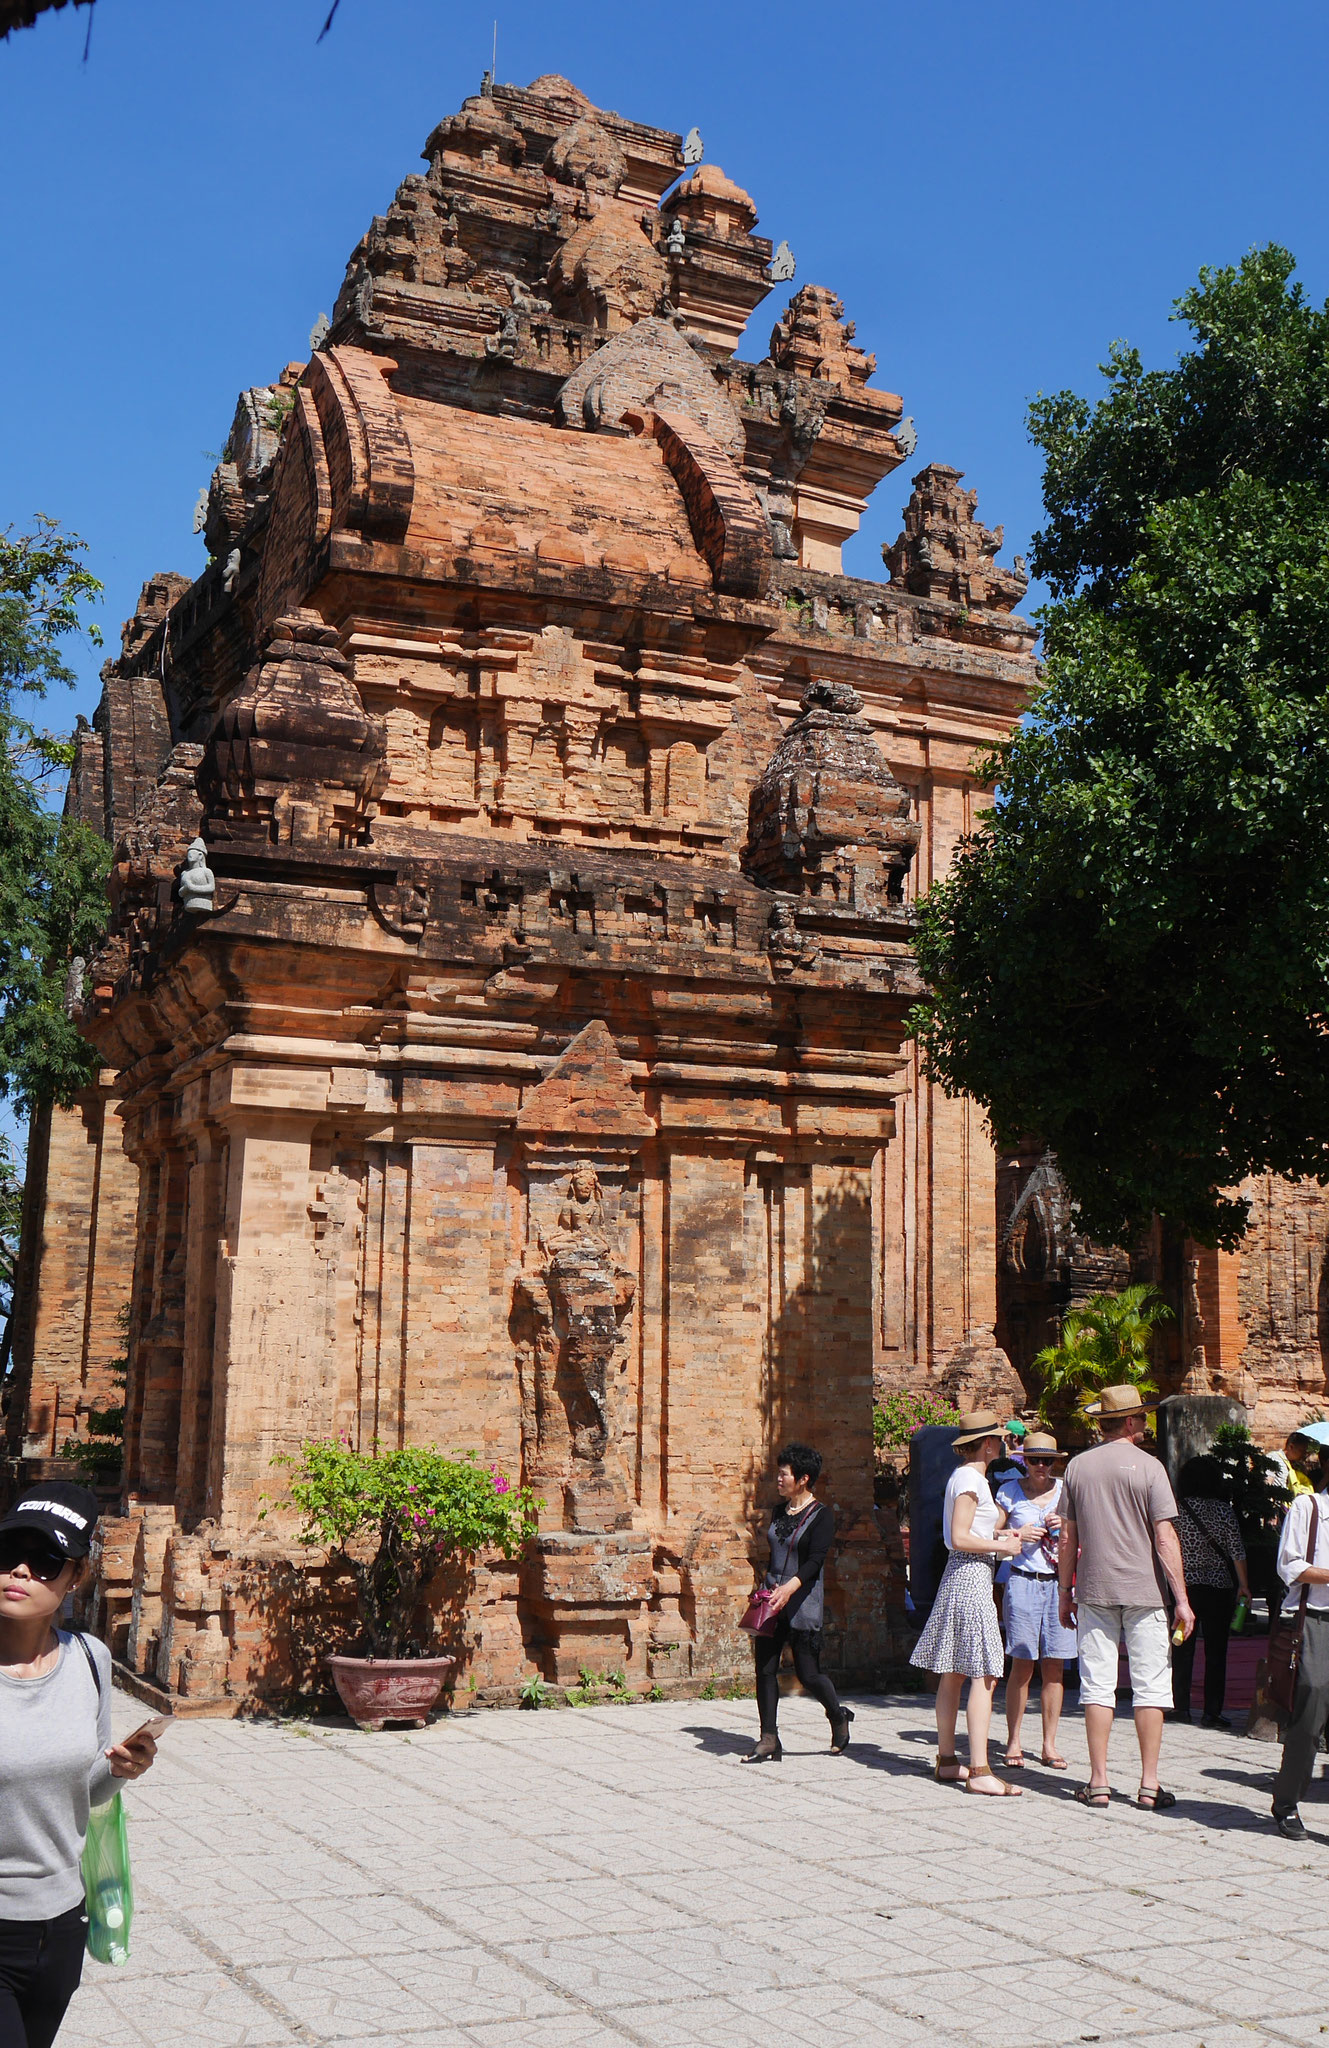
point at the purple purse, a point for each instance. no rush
(758, 1618)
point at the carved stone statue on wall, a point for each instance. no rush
(571, 1303)
(1197, 1379)
(197, 885)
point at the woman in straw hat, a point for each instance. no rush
(1034, 1634)
(962, 1640)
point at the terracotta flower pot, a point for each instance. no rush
(378, 1689)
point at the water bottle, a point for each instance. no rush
(1241, 1613)
(108, 1916)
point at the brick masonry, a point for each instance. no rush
(566, 805)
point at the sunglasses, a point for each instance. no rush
(43, 1560)
(1034, 1458)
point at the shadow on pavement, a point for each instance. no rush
(722, 1741)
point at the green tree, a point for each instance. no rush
(1107, 1341)
(1130, 956)
(52, 870)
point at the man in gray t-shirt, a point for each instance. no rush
(1119, 1551)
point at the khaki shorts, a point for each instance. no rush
(1148, 1652)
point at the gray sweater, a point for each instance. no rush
(53, 1732)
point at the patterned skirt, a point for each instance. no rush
(962, 1632)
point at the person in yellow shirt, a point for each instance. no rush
(1292, 1461)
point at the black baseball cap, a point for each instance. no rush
(63, 1513)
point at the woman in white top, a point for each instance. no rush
(962, 1640)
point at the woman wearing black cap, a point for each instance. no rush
(56, 1758)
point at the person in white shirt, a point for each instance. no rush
(961, 1639)
(1303, 1561)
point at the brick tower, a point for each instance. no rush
(518, 1061)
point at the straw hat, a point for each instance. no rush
(977, 1424)
(1117, 1401)
(1039, 1440)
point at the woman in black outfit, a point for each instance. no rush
(800, 1539)
(1213, 1557)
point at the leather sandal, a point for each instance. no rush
(1097, 1797)
(948, 1770)
(1154, 1799)
(1003, 1790)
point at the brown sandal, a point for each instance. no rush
(1004, 1791)
(948, 1770)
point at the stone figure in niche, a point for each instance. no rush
(789, 949)
(197, 885)
(568, 1314)
(582, 1216)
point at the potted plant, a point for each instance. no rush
(395, 1520)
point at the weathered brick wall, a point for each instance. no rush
(74, 1282)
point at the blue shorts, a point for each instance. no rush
(1033, 1629)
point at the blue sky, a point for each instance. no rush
(995, 192)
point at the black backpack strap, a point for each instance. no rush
(82, 1642)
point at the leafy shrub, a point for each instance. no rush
(418, 1509)
(897, 1416)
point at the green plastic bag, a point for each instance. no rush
(108, 1884)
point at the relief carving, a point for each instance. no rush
(571, 1303)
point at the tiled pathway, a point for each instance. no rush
(577, 1879)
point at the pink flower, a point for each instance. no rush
(500, 1479)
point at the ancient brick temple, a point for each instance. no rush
(1252, 1325)
(502, 1010)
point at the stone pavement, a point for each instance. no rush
(589, 1878)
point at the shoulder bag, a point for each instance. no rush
(1283, 1661)
(758, 1617)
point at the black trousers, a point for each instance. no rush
(1310, 1713)
(1213, 1607)
(41, 1962)
(806, 1646)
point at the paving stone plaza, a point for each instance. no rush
(596, 1877)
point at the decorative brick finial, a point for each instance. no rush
(294, 755)
(946, 551)
(828, 818)
(814, 339)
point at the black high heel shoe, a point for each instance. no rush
(768, 1751)
(840, 1731)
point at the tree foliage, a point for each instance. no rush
(1108, 1341)
(1253, 1483)
(1130, 957)
(52, 870)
